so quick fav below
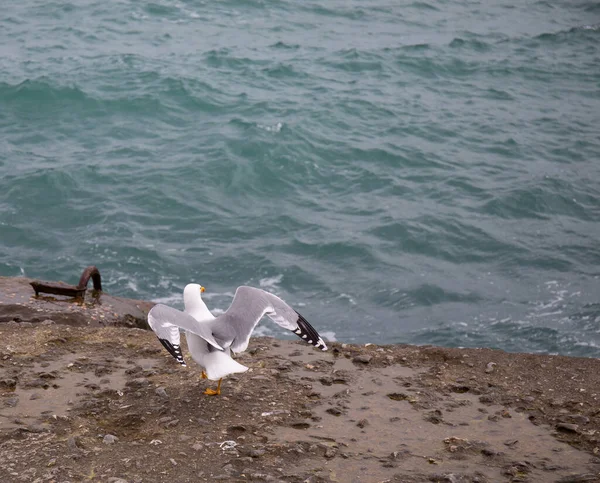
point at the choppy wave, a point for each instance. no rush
(408, 174)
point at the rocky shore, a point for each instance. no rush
(87, 394)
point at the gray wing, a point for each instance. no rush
(165, 322)
(249, 305)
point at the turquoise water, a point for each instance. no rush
(423, 172)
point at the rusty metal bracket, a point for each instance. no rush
(61, 288)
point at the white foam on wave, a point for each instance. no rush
(263, 331)
(329, 336)
(273, 128)
(347, 297)
(169, 299)
(270, 282)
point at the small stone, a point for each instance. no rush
(36, 428)
(228, 468)
(11, 402)
(256, 453)
(116, 480)
(47, 322)
(184, 437)
(330, 453)
(490, 367)
(109, 439)
(362, 423)
(172, 424)
(160, 391)
(578, 418)
(197, 446)
(72, 443)
(363, 359)
(334, 411)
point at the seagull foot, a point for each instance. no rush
(203, 375)
(212, 392)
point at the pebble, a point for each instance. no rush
(173, 423)
(139, 382)
(330, 453)
(363, 359)
(109, 439)
(578, 418)
(362, 423)
(490, 367)
(11, 402)
(47, 322)
(160, 391)
(113, 479)
(256, 453)
(72, 443)
(36, 428)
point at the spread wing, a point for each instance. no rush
(166, 321)
(249, 305)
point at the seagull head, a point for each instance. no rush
(192, 294)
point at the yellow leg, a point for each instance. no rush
(212, 392)
(203, 375)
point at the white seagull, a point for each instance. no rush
(211, 339)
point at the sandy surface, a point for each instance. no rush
(93, 403)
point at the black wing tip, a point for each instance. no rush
(174, 350)
(308, 333)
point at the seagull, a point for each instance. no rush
(211, 339)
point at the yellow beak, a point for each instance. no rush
(202, 289)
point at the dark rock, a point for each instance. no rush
(11, 402)
(300, 425)
(567, 427)
(256, 453)
(334, 411)
(8, 383)
(398, 396)
(139, 382)
(326, 380)
(459, 388)
(362, 423)
(160, 391)
(434, 417)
